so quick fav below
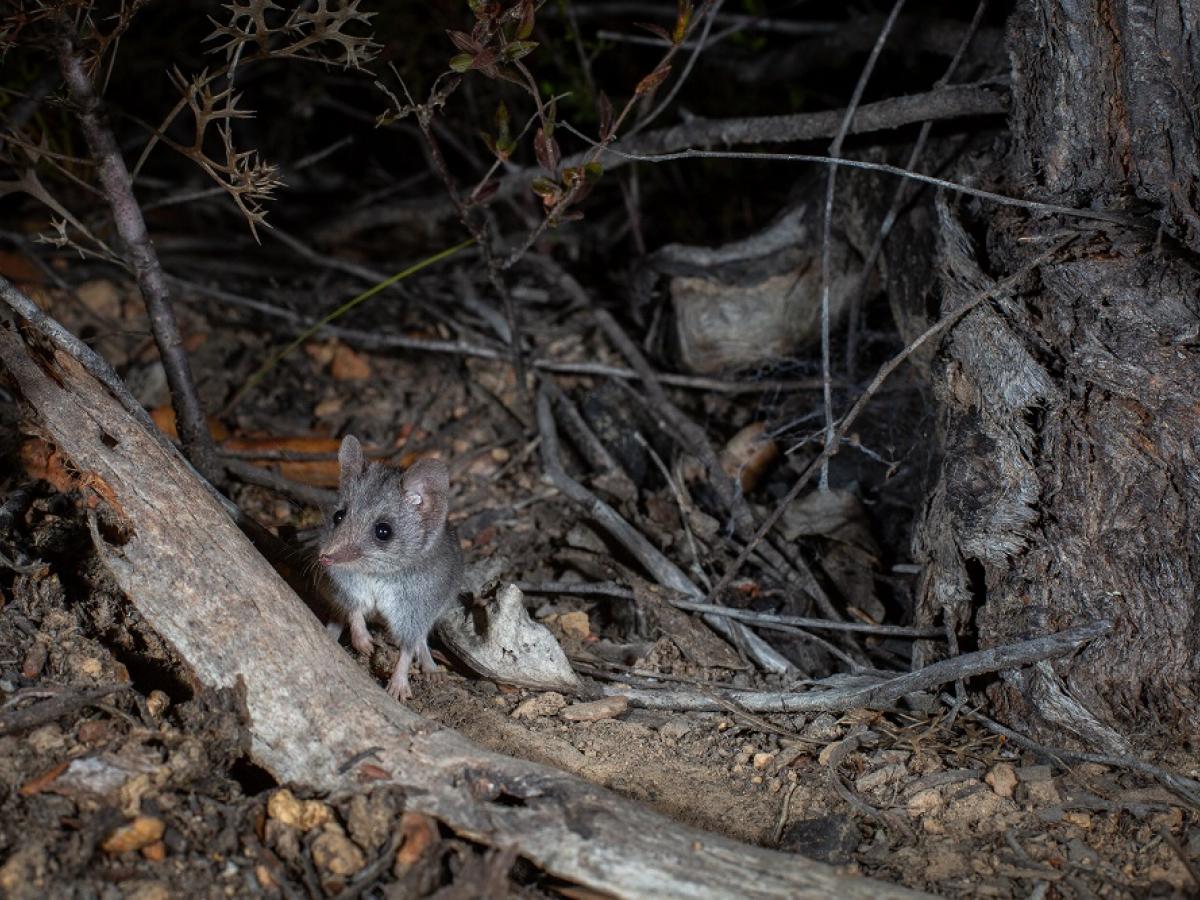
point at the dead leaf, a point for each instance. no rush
(851, 557)
(349, 365)
(419, 834)
(43, 460)
(17, 268)
(164, 418)
(748, 454)
(39, 783)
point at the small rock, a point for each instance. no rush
(823, 728)
(880, 777)
(349, 365)
(606, 708)
(265, 879)
(134, 835)
(832, 839)
(155, 852)
(762, 760)
(1078, 818)
(501, 454)
(146, 890)
(369, 819)
(328, 407)
(1043, 793)
(540, 705)
(305, 815)
(45, 740)
(93, 731)
(333, 852)
(1002, 778)
(675, 729)
(284, 839)
(924, 802)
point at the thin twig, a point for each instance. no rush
(835, 150)
(893, 212)
(611, 589)
(127, 216)
(709, 13)
(1095, 215)
(61, 704)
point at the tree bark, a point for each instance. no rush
(315, 716)
(1070, 409)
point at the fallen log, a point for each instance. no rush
(313, 712)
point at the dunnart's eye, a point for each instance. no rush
(383, 531)
(338, 516)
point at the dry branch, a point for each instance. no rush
(946, 103)
(127, 216)
(201, 585)
(878, 693)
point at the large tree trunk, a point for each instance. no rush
(1070, 411)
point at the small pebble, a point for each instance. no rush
(134, 835)
(606, 708)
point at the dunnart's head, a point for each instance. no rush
(384, 520)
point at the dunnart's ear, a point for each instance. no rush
(426, 486)
(350, 459)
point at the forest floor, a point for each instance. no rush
(118, 779)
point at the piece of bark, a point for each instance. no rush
(199, 582)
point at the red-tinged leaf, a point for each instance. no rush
(545, 148)
(572, 175)
(656, 30)
(485, 63)
(653, 80)
(682, 21)
(525, 27)
(485, 192)
(604, 111)
(519, 49)
(464, 42)
(462, 62)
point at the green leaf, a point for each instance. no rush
(462, 62)
(519, 49)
